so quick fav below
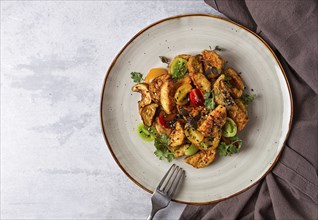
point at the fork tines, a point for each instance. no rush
(172, 181)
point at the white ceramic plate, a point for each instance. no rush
(270, 114)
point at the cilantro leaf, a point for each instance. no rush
(162, 151)
(170, 156)
(207, 94)
(209, 102)
(232, 148)
(159, 154)
(136, 76)
(222, 149)
(247, 99)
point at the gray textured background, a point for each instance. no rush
(54, 56)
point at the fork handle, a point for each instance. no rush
(152, 214)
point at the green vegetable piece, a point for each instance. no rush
(178, 68)
(230, 128)
(204, 145)
(207, 94)
(146, 133)
(162, 151)
(209, 102)
(136, 76)
(191, 150)
(222, 149)
(247, 99)
(232, 148)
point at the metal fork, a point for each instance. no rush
(167, 189)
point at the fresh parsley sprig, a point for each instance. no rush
(136, 76)
(232, 148)
(162, 151)
(209, 100)
(247, 99)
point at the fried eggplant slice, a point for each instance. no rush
(241, 105)
(201, 159)
(206, 124)
(222, 94)
(239, 116)
(143, 88)
(181, 95)
(213, 63)
(195, 64)
(155, 87)
(223, 97)
(215, 137)
(211, 142)
(235, 82)
(147, 114)
(183, 56)
(184, 80)
(219, 116)
(194, 136)
(201, 82)
(177, 137)
(211, 128)
(167, 96)
(215, 118)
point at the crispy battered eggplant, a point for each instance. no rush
(143, 88)
(167, 96)
(195, 64)
(155, 87)
(234, 82)
(201, 82)
(147, 114)
(223, 97)
(177, 136)
(213, 64)
(201, 159)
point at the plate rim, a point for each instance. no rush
(212, 17)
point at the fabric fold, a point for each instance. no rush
(290, 190)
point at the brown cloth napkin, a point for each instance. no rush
(290, 190)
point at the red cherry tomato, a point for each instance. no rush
(196, 97)
(162, 120)
(166, 120)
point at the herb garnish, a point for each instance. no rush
(232, 148)
(247, 99)
(164, 59)
(209, 102)
(217, 48)
(136, 76)
(162, 151)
